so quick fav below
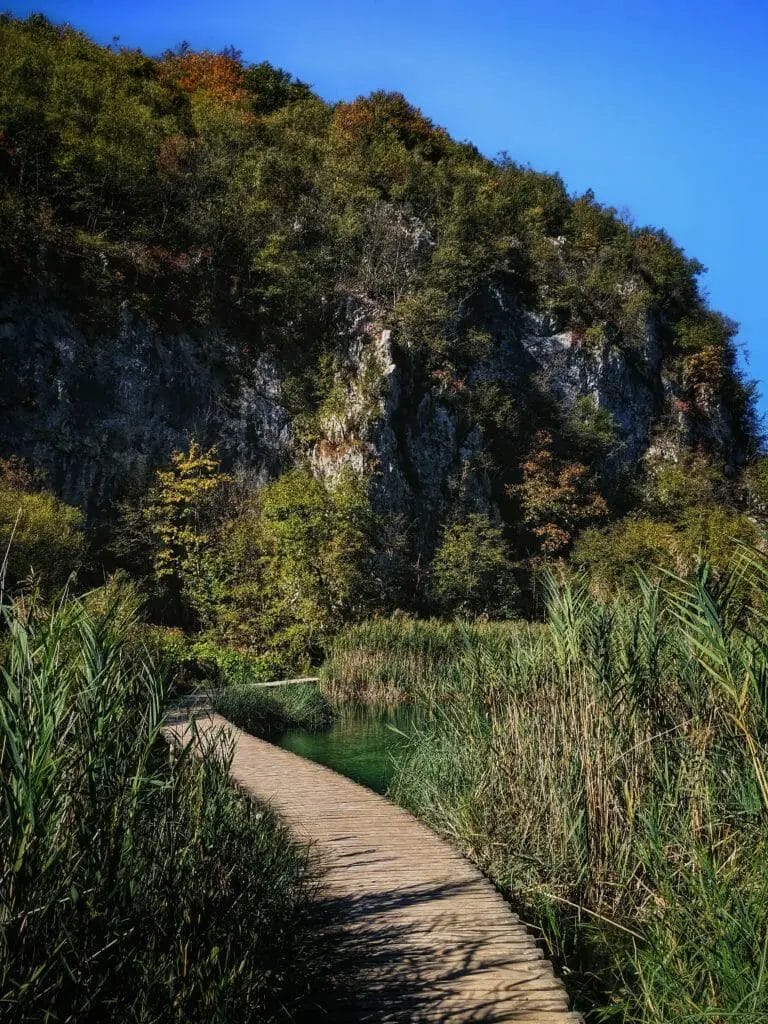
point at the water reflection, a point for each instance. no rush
(363, 742)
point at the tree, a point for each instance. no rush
(673, 486)
(297, 558)
(557, 497)
(710, 534)
(271, 88)
(316, 543)
(472, 573)
(41, 537)
(220, 74)
(172, 529)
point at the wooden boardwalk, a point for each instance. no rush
(427, 937)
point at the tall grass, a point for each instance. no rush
(134, 886)
(266, 712)
(391, 659)
(609, 772)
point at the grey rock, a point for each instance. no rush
(99, 413)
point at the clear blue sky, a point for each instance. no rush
(660, 107)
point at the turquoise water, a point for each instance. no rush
(363, 742)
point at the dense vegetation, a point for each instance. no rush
(199, 190)
(42, 538)
(609, 770)
(195, 181)
(607, 765)
(133, 886)
(198, 182)
(397, 658)
(269, 712)
(276, 571)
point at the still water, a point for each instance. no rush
(363, 742)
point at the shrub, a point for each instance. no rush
(673, 486)
(197, 662)
(613, 557)
(267, 712)
(756, 485)
(592, 429)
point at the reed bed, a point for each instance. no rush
(384, 660)
(608, 771)
(134, 886)
(267, 712)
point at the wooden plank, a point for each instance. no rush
(429, 937)
(288, 682)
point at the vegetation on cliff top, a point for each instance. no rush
(199, 188)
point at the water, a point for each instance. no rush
(362, 743)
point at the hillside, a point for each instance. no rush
(197, 248)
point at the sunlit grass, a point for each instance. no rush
(392, 659)
(608, 770)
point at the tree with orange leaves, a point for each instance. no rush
(558, 498)
(220, 74)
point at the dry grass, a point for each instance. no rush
(608, 771)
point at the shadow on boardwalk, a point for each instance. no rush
(413, 931)
(389, 972)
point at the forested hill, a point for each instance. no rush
(195, 246)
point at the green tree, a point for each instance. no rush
(41, 537)
(472, 573)
(317, 542)
(298, 561)
(172, 530)
(612, 556)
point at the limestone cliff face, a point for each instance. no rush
(98, 414)
(422, 451)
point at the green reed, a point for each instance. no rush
(134, 885)
(268, 711)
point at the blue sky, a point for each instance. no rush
(659, 107)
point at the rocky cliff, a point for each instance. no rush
(98, 413)
(192, 245)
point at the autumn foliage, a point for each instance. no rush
(558, 497)
(367, 118)
(220, 74)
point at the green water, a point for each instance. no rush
(363, 743)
